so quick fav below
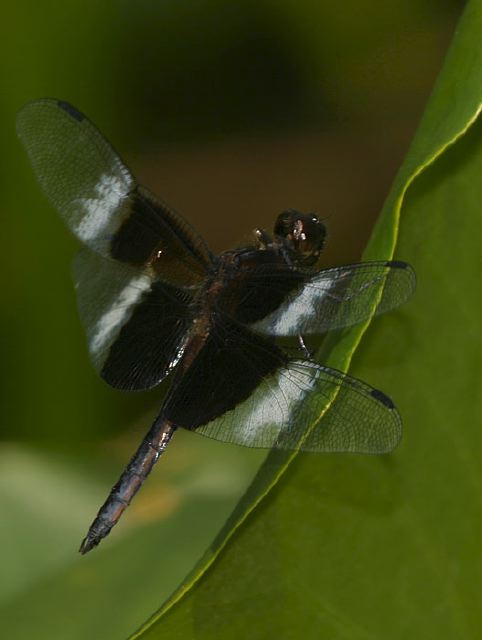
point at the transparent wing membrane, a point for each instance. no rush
(76, 167)
(241, 388)
(312, 408)
(334, 298)
(98, 197)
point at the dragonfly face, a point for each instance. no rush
(303, 236)
(155, 301)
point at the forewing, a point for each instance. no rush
(333, 298)
(135, 324)
(309, 407)
(98, 197)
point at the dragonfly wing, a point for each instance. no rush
(229, 366)
(98, 197)
(241, 388)
(309, 407)
(134, 323)
(334, 298)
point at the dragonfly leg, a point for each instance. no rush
(149, 451)
(306, 351)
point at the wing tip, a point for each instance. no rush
(70, 110)
(29, 110)
(383, 398)
(393, 418)
(408, 270)
(397, 264)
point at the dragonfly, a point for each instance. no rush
(156, 302)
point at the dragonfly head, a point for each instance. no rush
(303, 235)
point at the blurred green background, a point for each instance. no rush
(231, 112)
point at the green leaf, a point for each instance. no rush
(49, 590)
(346, 546)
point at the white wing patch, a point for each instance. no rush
(276, 408)
(97, 218)
(118, 313)
(270, 411)
(291, 315)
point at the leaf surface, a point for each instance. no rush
(353, 547)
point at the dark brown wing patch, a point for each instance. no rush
(231, 364)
